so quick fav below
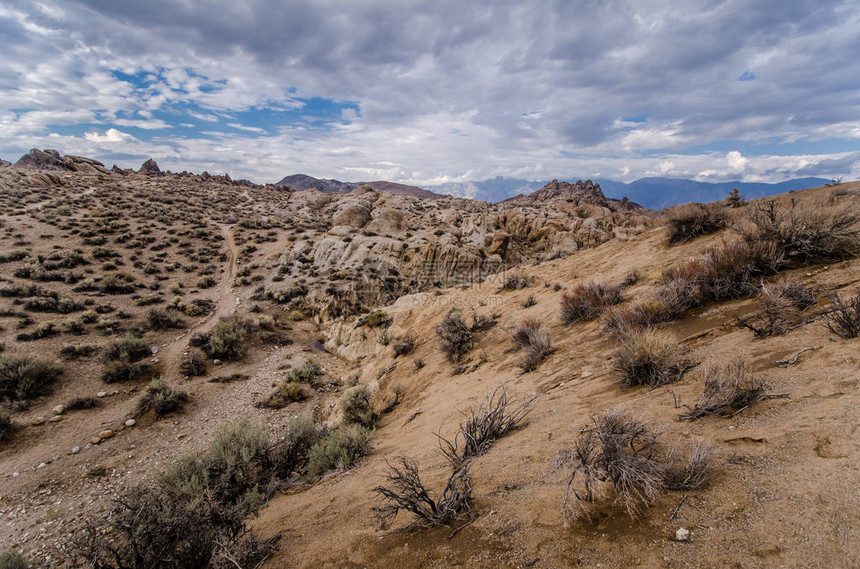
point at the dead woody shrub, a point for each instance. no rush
(729, 388)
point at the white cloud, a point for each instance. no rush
(109, 136)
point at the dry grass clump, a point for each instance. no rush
(729, 388)
(497, 415)
(24, 377)
(687, 222)
(404, 491)
(587, 301)
(650, 357)
(161, 399)
(529, 335)
(621, 455)
(843, 318)
(808, 234)
(780, 307)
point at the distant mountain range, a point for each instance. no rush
(304, 182)
(654, 193)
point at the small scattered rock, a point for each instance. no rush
(101, 394)
(55, 419)
(216, 362)
(38, 421)
(130, 423)
(42, 465)
(682, 534)
(76, 450)
(88, 446)
(94, 441)
(58, 410)
(106, 434)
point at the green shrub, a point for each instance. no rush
(161, 399)
(341, 449)
(229, 338)
(378, 319)
(23, 377)
(160, 319)
(357, 407)
(129, 348)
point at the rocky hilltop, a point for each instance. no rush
(301, 182)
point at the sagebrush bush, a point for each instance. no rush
(621, 456)
(808, 233)
(404, 491)
(587, 301)
(128, 348)
(13, 560)
(6, 425)
(496, 416)
(24, 377)
(728, 388)
(161, 399)
(161, 319)
(780, 307)
(650, 357)
(340, 449)
(357, 407)
(404, 345)
(687, 222)
(843, 318)
(455, 338)
(229, 338)
(194, 364)
(529, 335)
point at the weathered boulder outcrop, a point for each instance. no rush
(150, 168)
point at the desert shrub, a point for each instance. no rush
(529, 335)
(307, 373)
(290, 454)
(124, 370)
(805, 234)
(721, 273)
(286, 295)
(496, 416)
(341, 449)
(687, 222)
(288, 391)
(455, 338)
(377, 319)
(529, 302)
(735, 199)
(194, 364)
(621, 455)
(404, 491)
(117, 283)
(81, 403)
(728, 389)
(404, 345)
(650, 357)
(6, 428)
(206, 282)
(13, 560)
(621, 321)
(229, 338)
(688, 468)
(24, 377)
(843, 318)
(779, 309)
(357, 407)
(483, 322)
(160, 319)
(161, 399)
(130, 348)
(515, 282)
(587, 301)
(199, 339)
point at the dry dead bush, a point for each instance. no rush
(622, 457)
(650, 357)
(586, 301)
(529, 335)
(496, 416)
(728, 389)
(687, 222)
(621, 321)
(843, 318)
(404, 491)
(404, 345)
(780, 307)
(455, 338)
(808, 233)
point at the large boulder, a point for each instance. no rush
(354, 215)
(47, 159)
(150, 168)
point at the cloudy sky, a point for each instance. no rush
(438, 91)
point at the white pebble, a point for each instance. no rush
(682, 534)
